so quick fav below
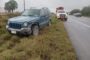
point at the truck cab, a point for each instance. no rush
(61, 14)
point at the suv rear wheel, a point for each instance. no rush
(49, 23)
(35, 30)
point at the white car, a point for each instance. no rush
(77, 14)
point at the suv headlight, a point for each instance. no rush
(25, 24)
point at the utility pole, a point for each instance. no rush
(24, 5)
(0, 2)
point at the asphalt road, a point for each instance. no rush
(78, 29)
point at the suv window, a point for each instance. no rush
(44, 12)
(31, 12)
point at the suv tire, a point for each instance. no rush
(35, 30)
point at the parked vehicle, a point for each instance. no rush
(61, 14)
(77, 14)
(29, 22)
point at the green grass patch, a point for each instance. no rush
(51, 44)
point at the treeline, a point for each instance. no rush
(10, 6)
(85, 11)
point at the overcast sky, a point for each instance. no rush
(51, 4)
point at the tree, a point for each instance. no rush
(75, 11)
(86, 11)
(11, 5)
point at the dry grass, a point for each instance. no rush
(51, 44)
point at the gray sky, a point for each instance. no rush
(51, 4)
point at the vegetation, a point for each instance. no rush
(75, 11)
(86, 11)
(11, 5)
(51, 44)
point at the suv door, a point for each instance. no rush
(44, 17)
(47, 16)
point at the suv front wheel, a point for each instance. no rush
(35, 30)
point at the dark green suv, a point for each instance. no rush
(29, 22)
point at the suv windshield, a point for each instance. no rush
(31, 12)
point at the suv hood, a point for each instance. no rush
(22, 19)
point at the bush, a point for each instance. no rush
(75, 11)
(1, 42)
(1, 50)
(18, 48)
(10, 15)
(12, 55)
(5, 37)
(15, 39)
(20, 56)
(4, 18)
(10, 45)
(86, 11)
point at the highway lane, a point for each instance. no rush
(78, 29)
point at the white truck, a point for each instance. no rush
(61, 14)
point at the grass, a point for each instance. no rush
(51, 44)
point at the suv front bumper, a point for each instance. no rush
(21, 31)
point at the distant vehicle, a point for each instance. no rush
(61, 14)
(29, 22)
(77, 14)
